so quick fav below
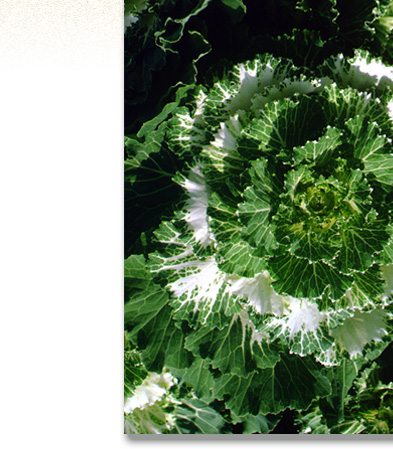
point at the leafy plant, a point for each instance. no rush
(259, 297)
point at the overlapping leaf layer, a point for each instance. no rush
(267, 287)
(271, 274)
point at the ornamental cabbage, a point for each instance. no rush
(268, 290)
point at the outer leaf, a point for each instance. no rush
(361, 329)
(303, 328)
(134, 372)
(313, 422)
(200, 378)
(196, 416)
(236, 349)
(199, 290)
(238, 7)
(149, 317)
(259, 423)
(294, 382)
(365, 292)
(174, 28)
(148, 409)
(342, 380)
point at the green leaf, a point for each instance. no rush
(356, 19)
(236, 349)
(359, 245)
(234, 253)
(319, 151)
(236, 256)
(199, 377)
(196, 416)
(311, 280)
(174, 28)
(365, 138)
(139, 152)
(152, 419)
(256, 209)
(235, 4)
(349, 427)
(187, 131)
(238, 9)
(367, 407)
(366, 291)
(313, 422)
(135, 268)
(260, 424)
(380, 166)
(149, 318)
(284, 124)
(255, 212)
(134, 372)
(386, 255)
(135, 6)
(149, 188)
(304, 47)
(342, 378)
(344, 104)
(293, 382)
(169, 108)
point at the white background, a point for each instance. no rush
(61, 228)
